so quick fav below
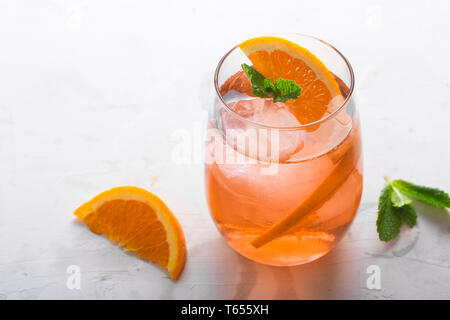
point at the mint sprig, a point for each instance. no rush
(394, 205)
(281, 90)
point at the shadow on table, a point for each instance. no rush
(240, 278)
(439, 216)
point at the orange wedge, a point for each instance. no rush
(139, 221)
(276, 57)
(344, 167)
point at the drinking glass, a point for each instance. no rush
(280, 192)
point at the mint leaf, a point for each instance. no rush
(429, 195)
(258, 81)
(394, 206)
(269, 86)
(281, 90)
(407, 214)
(286, 89)
(398, 198)
(388, 222)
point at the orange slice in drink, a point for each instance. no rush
(139, 221)
(276, 57)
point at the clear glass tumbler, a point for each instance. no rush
(282, 192)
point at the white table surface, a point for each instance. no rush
(95, 94)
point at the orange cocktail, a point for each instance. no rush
(284, 179)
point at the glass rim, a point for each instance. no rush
(300, 126)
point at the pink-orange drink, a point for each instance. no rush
(284, 179)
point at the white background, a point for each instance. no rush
(93, 94)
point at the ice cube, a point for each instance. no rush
(254, 139)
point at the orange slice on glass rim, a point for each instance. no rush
(138, 221)
(276, 57)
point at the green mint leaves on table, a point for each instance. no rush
(394, 206)
(281, 90)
